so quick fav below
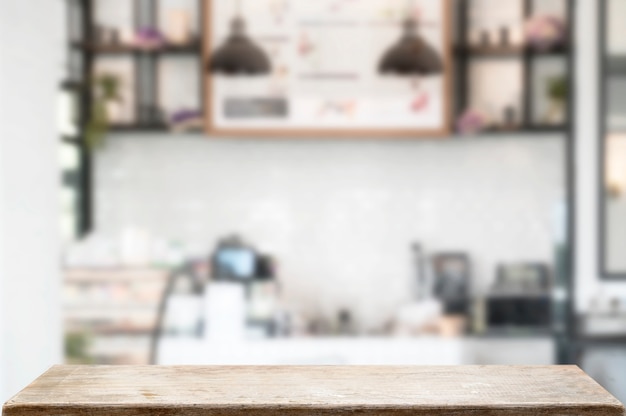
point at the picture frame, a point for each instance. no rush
(318, 99)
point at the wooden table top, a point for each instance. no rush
(270, 391)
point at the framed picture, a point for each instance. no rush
(324, 73)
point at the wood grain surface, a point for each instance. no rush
(319, 391)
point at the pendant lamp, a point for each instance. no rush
(239, 55)
(411, 55)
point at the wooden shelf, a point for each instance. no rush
(139, 127)
(193, 48)
(493, 130)
(616, 65)
(119, 331)
(110, 305)
(150, 128)
(547, 128)
(534, 129)
(508, 51)
(602, 341)
(114, 275)
(111, 329)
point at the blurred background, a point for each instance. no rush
(174, 190)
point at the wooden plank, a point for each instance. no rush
(113, 275)
(319, 391)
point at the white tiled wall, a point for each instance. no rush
(340, 215)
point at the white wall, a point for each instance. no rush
(340, 216)
(30, 68)
(616, 234)
(588, 282)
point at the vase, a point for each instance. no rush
(114, 110)
(555, 113)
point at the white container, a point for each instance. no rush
(225, 311)
(178, 27)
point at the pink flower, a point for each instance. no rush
(149, 38)
(545, 32)
(472, 122)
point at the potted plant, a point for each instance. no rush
(557, 94)
(106, 106)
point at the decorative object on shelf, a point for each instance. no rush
(149, 38)
(127, 36)
(484, 38)
(614, 189)
(478, 37)
(185, 120)
(106, 35)
(239, 54)
(411, 55)
(505, 36)
(510, 116)
(557, 94)
(106, 107)
(615, 165)
(178, 27)
(115, 36)
(545, 32)
(150, 113)
(472, 121)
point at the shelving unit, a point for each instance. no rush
(75, 163)
(117, 306)
(466, 54)
(146, 62)
(564, 322)
(85, 50)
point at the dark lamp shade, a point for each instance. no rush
(411, 55)
(239, 55)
